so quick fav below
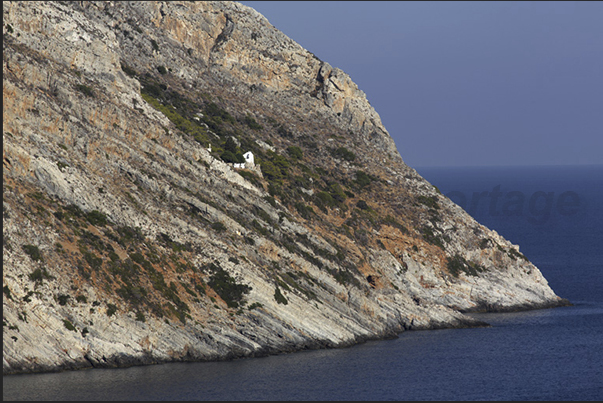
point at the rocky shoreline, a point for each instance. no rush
(489, 308)
(125, 360)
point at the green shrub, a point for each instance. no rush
(274, 189)
(111, 309)
(68, 325)
(227, 288)
(275, 166)
(140, 317)
(230, 157)
(113, 256)
(38, 275)
(62, 299)
(33, 252)
(74, 210)
(458, 264)
(129, 234)
(455, 265)
(430, 201)
(251, 177)
(389, 220)
(214, 111)
(94, 261)
(255, 305)
(432, 238)
(6, 291)
(161, 70)
(269, 170)
(343, 153)
(81, 298)
(176, 246)
(260, 212)
(344, 277)
(218, 226)
(280, 298)
(295, 152)
(324, 199)
(58, 247)
(337, 192)
(305, 211)
(154, 45)
(362, 179)
(87, 238)
(230, 145)
(259, 227)
(128, 70)
(281, 163)
(250, 121)
(132, 294)
(152, 91)
(84, 89)
(283, 131)
(362, 205)
(513, 254)
(95, 217)
(23, 316)
(271, 200)
(36, 195)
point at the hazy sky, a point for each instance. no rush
(467, 83)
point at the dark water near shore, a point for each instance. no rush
(551, 354)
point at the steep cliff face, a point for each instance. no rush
(130, 238)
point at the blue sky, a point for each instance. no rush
(467, 83)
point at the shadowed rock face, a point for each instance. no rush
(127, 242)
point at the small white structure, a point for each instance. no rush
(249, 159)
(248, 164)
(209, 148)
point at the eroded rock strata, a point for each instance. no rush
(130, 238)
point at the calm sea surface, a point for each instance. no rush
(555, 214)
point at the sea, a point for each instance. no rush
(555, 215)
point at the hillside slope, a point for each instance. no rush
(130, 238)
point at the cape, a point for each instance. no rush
(183, 182)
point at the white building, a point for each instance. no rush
(248, 164)
(249, 159)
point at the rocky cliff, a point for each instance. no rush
(129, 237)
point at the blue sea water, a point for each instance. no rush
(550, 354)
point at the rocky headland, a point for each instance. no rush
(129, 237)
